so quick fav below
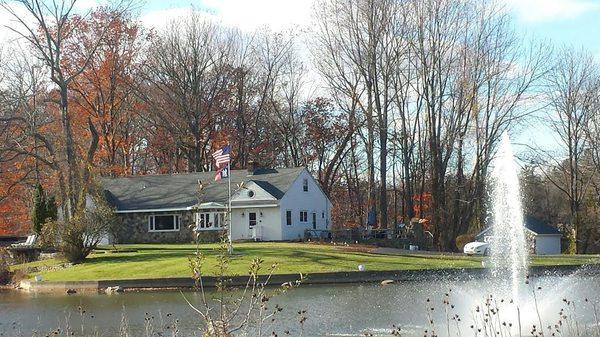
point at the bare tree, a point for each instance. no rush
(187, 69)
(355, 54)
(266, 82)
(22, 119)
(496, 91)
(440, 25)
(572, 95)
(287, 111)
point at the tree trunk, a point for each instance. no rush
(72, 172)
(383, 177)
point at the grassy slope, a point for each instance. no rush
(156, 261)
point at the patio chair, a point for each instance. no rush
(25, 251)
(30, 242)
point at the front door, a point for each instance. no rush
(251, 223)
(314, 220)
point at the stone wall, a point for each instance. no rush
(211, 236)
(134, 229)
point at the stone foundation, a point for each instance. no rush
(211, 236)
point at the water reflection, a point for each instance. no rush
(340, 310)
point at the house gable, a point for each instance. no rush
(297, 187)
(252, 193)
(306, 206)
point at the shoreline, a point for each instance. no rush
(352, 277)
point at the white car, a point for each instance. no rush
(477, 248)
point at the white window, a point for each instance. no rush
(203, 221)
(303, 216)
(164, 223)
(219, 220)
(288, 217)
(210, 220)
(305, 185)
(251, 219)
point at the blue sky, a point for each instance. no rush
(244, 14)
(580, 30)
(564, 22)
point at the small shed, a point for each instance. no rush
(547, 238)
(542, 238)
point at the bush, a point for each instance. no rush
(78, 236)
(44, 209)
(568, 241)
(571, 246)
(462, 240)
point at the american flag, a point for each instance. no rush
(223, 172)
(221, 156)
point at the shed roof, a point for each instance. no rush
(175, 191)
(539, 227)
(535, 225)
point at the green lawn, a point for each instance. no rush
(156, 261)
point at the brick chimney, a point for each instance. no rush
(252, 167)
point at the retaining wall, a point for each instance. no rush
(315, 278)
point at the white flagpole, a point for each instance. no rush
(230, 247)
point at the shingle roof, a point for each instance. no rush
(168, 191)
(533, 224)
(539, 227)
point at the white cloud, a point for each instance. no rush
(159, 19)
(85, 5)
(551, 10)
(243, 14)
(249, 15)
(8, 23)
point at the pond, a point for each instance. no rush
(331, 310)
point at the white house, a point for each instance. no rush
(266, 204)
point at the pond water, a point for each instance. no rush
(331, 310)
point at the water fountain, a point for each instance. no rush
(509, 256)
(509, 253)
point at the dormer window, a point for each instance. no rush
(305, 185)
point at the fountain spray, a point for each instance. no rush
(508, 256)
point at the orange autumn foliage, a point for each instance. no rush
(104, 100)
(100, 96)
(14, 219)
